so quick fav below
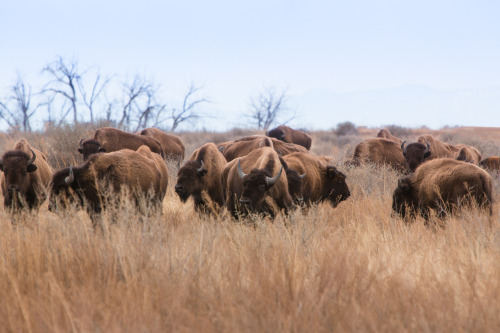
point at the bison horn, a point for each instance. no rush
(302, 176)
(240, 172)
(428, 149)
(33, 157)
(200, 170)
(71, 177)
(403, 148)
(80, 144)
(271, 181)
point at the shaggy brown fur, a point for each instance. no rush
(252, 189)
(442, 185)
(289, 135)
(191, 181)
(160, 187)
(24, 185)
(380, 152)
(102, 173)
(468, 154)
(108, 139)
(386, 134)
(321, 182)
(171, 145)
(243, 146)
(491, 163)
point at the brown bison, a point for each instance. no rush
(289, 135)
(468, 154)
(285, 148)
(321, 181)
(90, 184)
(386, 134)
(200, 177)
(243, 146)
(171, 145)
(263, 180)
(25, 179)
(415, 154)
(427, 148)
(108, 139)
(380, 152)
(442, 185)
(491, 163)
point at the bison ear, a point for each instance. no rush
(101, 150)
(32, 168)
(202, 172)
(80, 150)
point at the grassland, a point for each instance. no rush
(352, 268)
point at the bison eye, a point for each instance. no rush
(262, 187)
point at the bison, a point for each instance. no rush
(380, 152)
(90, 184)
(289, 135)
(386, 134)
(427, 148)
(263, 180)
(321, 181)
(491, 163)
(108, 139)
(243, 146)
(25, 178)
(200, 178)
(415, 154)
(442, 185)
(468, 154)
(171, 145)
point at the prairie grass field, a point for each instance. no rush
(350, 268)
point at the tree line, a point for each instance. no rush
(74, 95)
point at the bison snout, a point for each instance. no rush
(13, 188)
(179, 188)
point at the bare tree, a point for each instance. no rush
(190, 108)
(65, 79)
(19, 115)
(140, 104)
(268, 106)
(98, 88)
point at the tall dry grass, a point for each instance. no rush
(352, 268)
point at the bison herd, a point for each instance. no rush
(255, 174)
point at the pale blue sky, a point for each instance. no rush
(408, 63)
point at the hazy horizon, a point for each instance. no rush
(373, 64)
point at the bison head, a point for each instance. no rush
(295, 182)
(89, 147)
(16, 164)
(402, 202)
(256, 184)
(336, 186)
(190, 180)
(415, 154)
(63, 190)
(276, 133)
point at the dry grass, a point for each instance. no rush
(352, 268)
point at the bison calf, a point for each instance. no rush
(442, 185)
